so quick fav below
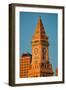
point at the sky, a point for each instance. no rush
(28, 22)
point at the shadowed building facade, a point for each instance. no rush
(56, 71)
(39, 63)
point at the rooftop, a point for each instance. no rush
(26, 54)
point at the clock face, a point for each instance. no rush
(36, 51)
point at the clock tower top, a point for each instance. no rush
(40, 33)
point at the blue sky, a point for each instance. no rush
(28, 22)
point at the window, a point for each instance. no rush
(44, 54)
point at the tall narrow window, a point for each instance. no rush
(44, 54)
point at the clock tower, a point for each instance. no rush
(40, 65)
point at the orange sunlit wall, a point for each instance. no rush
(25, 61)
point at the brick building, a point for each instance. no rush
(25, 66)
(38, 63)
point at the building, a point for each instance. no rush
(56, 71)
(40, 64)
(25, 62)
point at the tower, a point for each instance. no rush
(40, 58)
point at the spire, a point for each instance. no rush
(40, 31)
(40, 27)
